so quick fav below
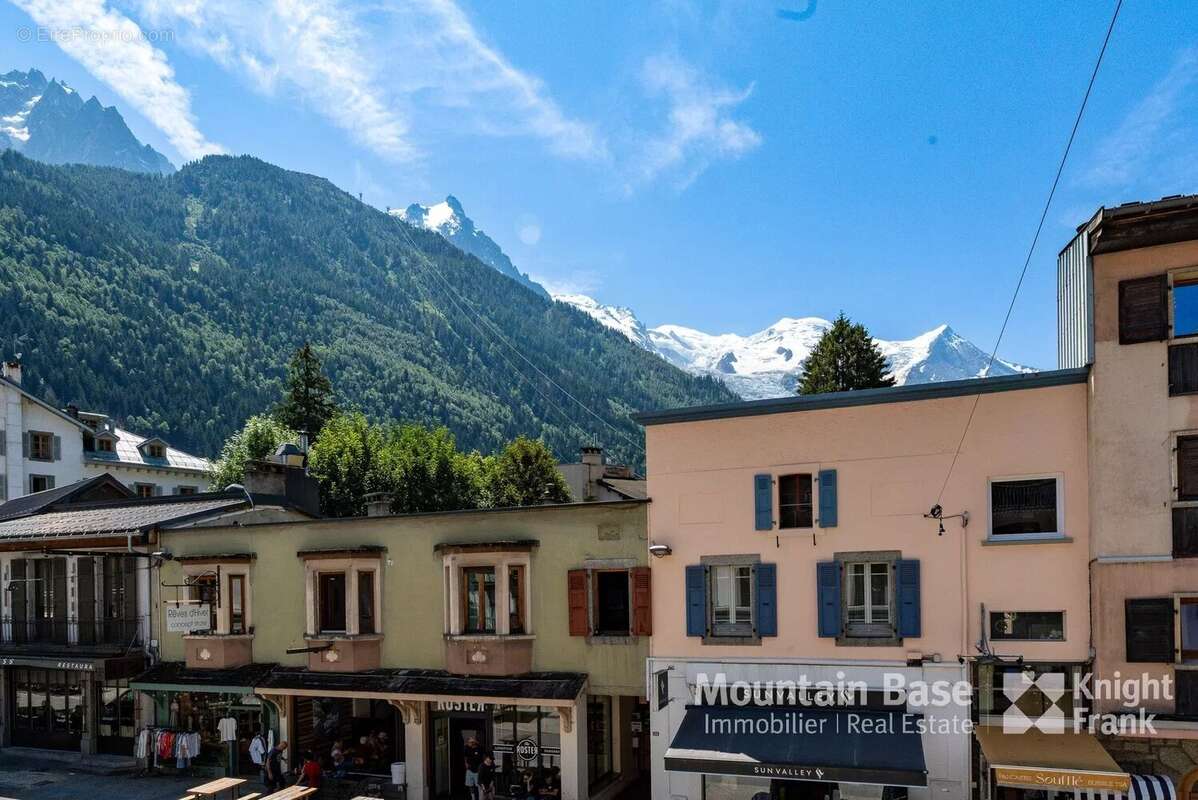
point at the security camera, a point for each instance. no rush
(660, 550)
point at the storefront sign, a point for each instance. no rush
(527, 750)
(1065, 781)
(480, 708)
(47, 663)
(188, 618)
(663, 688)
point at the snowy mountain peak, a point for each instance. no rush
(449, 219)
(47, 120)
(769, 363)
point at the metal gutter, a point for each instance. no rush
(868, 397)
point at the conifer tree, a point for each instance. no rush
(846, 358)
(308, 403)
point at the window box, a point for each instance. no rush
(1026, 508)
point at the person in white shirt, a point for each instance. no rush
(258, 752)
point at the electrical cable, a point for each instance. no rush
(1035, 240)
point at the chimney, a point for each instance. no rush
(378, 504)
(11, 369)
(285, 476)
(73, 410)
(592, 456)
(592, 461)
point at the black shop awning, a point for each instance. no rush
(806, 744)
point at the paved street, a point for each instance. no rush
(24, 779)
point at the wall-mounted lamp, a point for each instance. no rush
(660, 550)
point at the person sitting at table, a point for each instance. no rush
(310, 773)
(340, 764)
(553, 785)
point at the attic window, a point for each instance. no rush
(155, 451)
(104, 445)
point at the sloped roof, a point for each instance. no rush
(127, 452)
(81, 491)
(116, 518)
(630, 488)
(38, 401)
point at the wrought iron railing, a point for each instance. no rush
(50, 630)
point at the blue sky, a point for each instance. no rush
(712, 164)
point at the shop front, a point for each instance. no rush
(70, 703)
(184, 728)
(736, 731)
(1034, 765)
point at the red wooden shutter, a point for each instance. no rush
(576, 591)
(642, 601)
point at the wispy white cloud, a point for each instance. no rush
(378, 70)
(1149, 139)
(113, 48)
(699, 127)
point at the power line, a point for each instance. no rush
(1035, 240)
(475, 318)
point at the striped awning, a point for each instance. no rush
(1152, 787)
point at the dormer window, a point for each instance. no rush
(156, 451)
(104, 445)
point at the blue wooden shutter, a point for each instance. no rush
(907, 597)
(827, 498)
(828, 585)
(767, 600)
(763, 502)
(696, 601)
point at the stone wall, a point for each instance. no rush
(1172, 757)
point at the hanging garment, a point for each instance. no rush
(227, 728)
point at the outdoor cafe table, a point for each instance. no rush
(213, 788)
(290, 793)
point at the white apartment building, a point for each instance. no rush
(42, 448)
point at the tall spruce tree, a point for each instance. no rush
(845, 359)
(308, 403)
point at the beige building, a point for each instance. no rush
(1129, 308)
(403, 637)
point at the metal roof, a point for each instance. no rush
(116, 518)
(38, 501)
(867, 397)
(126, 452)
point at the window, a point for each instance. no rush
(1024, 507)
(795, 501)
(868, 599)
(612, 603)
(366, 602)
(331, 593)
(515, 599)
(41, 446)
(1187, 622)
(732, 600)
(143, 489)
(40, 483)
(156, 451)
(237, 604)
(1027, 626)
(186, 490)
(1148, 626)
(204, 590)
(1187, 467)
(478, 588)
(104, 445)
(1185, 304)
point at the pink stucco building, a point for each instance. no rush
(801, 550)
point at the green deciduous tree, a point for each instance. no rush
(423, 470)
(258, 438)
(846, 358)
(308, 403)
(345, 460)
(525, 473)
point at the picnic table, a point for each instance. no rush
(213, 788)
(290, 793)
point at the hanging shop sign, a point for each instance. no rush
(188, 618)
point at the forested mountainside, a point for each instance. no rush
(174, 302)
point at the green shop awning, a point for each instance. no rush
(175, 676)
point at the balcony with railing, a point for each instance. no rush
(101, 634)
